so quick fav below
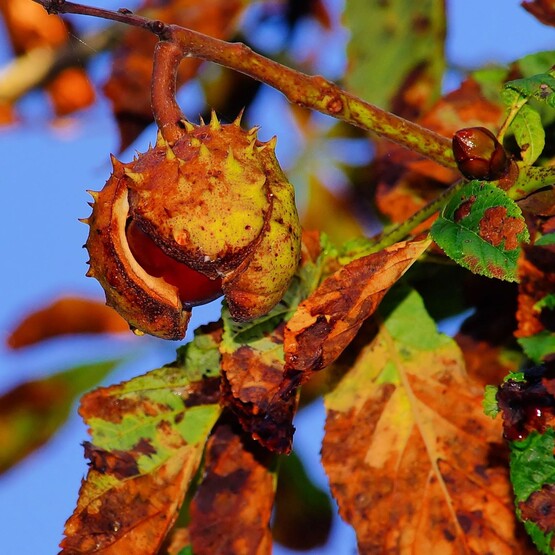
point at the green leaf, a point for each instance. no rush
(491, 408)
(538, 347)
(529, 134)
(547, 302)
(540, 87)
(532, 467)
(532, 463)
(481, 229)
(32, 412)
(545, 240)
(394, 42)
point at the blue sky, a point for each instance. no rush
(45, 172)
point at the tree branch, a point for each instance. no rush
(312, 92)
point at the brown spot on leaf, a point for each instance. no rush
(540, 508)
(121, 464)
(464, 209)
(499, 229)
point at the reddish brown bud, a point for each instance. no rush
(479, 154)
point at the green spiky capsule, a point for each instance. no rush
(216, 202)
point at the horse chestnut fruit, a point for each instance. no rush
(479, 155)
(183, 222)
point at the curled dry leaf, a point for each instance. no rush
(251, 376)
(231, 510)
(413, 462)
(132, 66)
(66, 316)
(329, 319)
(528, 405)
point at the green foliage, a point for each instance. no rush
(532, 463)
(529, 134)
(540, 87)
(491, 408)
(481, 229)
(538, 347)
(532, 467)
(546, 240)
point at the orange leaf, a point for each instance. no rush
(68, 315)
(413, 462)
(328, 320)
(231, 510)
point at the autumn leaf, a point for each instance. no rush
(235, 496)
(328, 320)
(66, 316)
(253, 359)
(32, 412)
(413, 462)
(148, 436)
(482, 229)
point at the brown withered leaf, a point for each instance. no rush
(543, 10)
(251, 376)
(413, 462)
(326, 322)
(132, 66)
(66, 316)
(30, 26)
(32, 412)
(231, 510)
(148, 437)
